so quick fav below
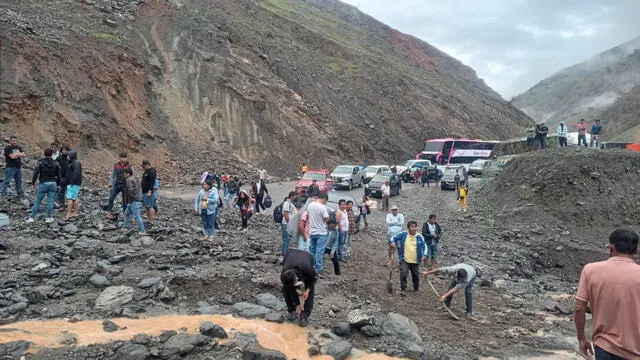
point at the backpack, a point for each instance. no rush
(332, 218)
(267, 202)
(277, 213)
(463, 192)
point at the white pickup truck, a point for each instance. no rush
(348, 176)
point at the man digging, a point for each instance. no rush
(463, 277)
(298, 279)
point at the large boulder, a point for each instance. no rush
(182, 344)
(338, 350)
(131, 351)
(257, 352)
(210, 329)
(249, 310)
(402, 328)
(270, 301)
(14, 349)
(114, 297)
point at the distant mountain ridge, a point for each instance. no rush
(587, 89)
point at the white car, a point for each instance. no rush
(373, 170)
(477, 167)
(347, 176)
(409, 163)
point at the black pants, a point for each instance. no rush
(259, 203)
(289, 298)
(336, 263)
(61, 195)
(245, 220)
(405, 268)
(604, 355)
(563, 141)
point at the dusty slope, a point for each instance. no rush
(585, 89)
(623, 117)
(232, 80)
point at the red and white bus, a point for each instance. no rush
(456, 151)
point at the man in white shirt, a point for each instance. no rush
(395, 222)
(386, 192)
(262, 174)
(288, 211)
(318, 217)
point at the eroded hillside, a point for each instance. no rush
(231, 83)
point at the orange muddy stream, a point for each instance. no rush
(289, 339)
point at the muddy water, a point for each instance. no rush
(290, 339)
(555, 355)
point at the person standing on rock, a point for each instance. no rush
(63, 162)
(298, 279)
(288, 211)
(259, 189)
(563, 133)
(132, 198)
(244, 202)
(74, 180)
(147, 185)
(431, 232)
(117, 183)
(410, 245)
(596, 132)
(463, 277)
(13, 154)
(318, 233)
(313, 190)
(48, 172)
(612, 288)
(582, 133)
(395, 222)
(206, 205)
(386, 193)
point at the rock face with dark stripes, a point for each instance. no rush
(273, 83)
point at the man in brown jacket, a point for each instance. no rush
(132, 198)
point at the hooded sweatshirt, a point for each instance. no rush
(63, 161)
(47, 170)
(562, 131)
(117, 175)
(132, 190)
(74, 173)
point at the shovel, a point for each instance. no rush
(389, 282)
(443, 304)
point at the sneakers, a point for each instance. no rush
(291, 317)
(49, 220)
(403, 293)
(469, 316)
(304, 321)
(30, 220)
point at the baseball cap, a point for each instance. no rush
(146, 162)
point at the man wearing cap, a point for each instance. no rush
(463, 277)
(147, 185)
(13, 154)
(395, 222)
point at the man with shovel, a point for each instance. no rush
(298, 279)
(463, 277)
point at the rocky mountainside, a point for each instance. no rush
(626, 113)
(231, 84)
(587, 89)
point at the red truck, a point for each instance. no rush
(322, 178)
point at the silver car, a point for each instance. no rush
(347, 176)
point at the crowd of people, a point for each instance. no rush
(537, 134)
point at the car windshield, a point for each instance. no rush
(370, 169)
(408, 163)
(478, 163)
(380, 178)
(450, 172)
(313, 176)
(343, 170)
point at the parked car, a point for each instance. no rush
(476, 167)
(373, 170)
(374, 186)
(410, 163)
(322, 178)
(408, 176)
(448, 181)
(348, 176)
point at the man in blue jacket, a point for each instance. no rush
(411, 249)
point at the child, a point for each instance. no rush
(462, 197)
(364, 211)
(206, 205)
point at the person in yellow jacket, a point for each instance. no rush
(462, 200)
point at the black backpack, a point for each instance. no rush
(277, 213)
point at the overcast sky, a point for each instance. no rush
(513, 44)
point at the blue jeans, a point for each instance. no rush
(302, 244)
(208, 223)
(604, 355)
(115, 190)
(317, 244)
(12, 173)
(228, 197)
(133, 209)
(284, 245)
(342, 245)
(50, 189)
(468, 295)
